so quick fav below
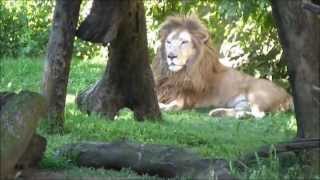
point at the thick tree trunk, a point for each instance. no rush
(57, 65)
(99, 26)
(299, 32)
(152, 159)
(127, 81)
(19, 117)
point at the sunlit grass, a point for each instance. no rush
(211, 137)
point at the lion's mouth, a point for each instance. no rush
(174, 67)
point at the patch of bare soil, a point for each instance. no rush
(39, 174)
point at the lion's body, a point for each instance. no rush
(205, 82)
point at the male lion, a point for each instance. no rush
(188, 74)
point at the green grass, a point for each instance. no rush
(211, 137)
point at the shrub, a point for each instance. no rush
(243, 30)
(25, 27)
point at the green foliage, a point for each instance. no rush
(13, 75)
(25, 26)
(212, 137)
(244, 26)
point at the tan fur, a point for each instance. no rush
(204, 81)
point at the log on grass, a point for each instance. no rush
(19, 118)
(281, 150)
(151, 159)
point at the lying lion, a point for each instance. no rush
(188, 74)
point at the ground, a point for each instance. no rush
(211, 137)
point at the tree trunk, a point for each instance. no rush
(57, 65)
(152, 159)
(99, 26)
(299, 32)
(127, 81)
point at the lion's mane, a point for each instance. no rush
(196, 78)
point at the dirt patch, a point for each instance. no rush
(38, 174)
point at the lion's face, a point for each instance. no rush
(179, 49)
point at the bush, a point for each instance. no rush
(243, 30)
(25, 27)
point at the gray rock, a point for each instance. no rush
(19, 117)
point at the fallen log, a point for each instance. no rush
(152, 159)
(294, 146)
(281, 150)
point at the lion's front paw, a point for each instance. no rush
(163, 107)
(222, 112)
(228, 112)
(168, 107)
(257, 113)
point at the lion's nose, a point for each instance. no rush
(171, 56)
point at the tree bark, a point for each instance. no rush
(127, 81)
(19, 117)
(57, 65)
(152, 159)
(299, 32)
(99, 26)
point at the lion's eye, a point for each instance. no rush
(184, 42)
(168, 42)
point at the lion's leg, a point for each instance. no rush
(245, 107)
(239, 107)
(172, 106)
(256, 112)
(229, 112)
(223, 112)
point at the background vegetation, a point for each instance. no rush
(243, 30)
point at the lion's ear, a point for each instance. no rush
(162, 33)
(203, 36)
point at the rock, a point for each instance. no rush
(4, 96)
(33, 154)
(19, 117)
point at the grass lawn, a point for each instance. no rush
(211, 137)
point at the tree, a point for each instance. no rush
(57, 65)
(127, 81)
(299, 32)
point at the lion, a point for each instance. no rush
(188, 74)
